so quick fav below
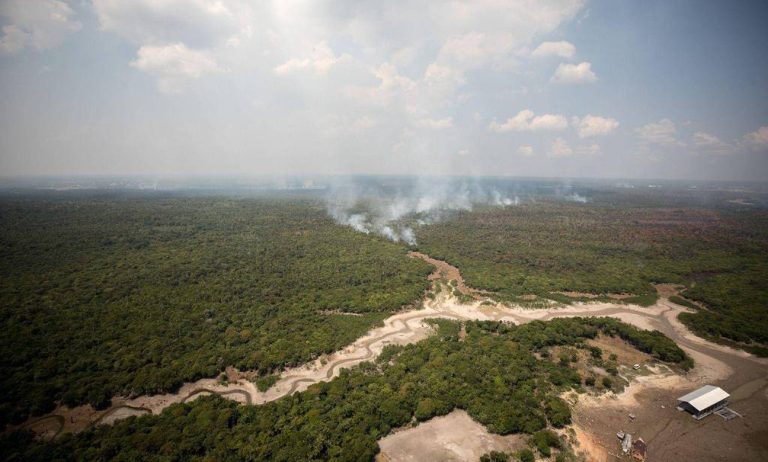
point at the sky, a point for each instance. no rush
(563, 88)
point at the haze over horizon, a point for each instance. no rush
(564, 88)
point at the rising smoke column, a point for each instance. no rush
(392, 210)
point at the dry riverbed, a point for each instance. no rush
(650, 396)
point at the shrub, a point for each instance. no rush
(526, 455)
(494, 456)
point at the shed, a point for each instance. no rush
(626, 443)
(704, 401)
(639, 449)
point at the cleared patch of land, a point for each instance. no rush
(452, 437)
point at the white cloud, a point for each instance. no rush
(562, 49)
(758, 139)
(391, 86)
(434, 124)
(525, 150)
(663, 133)
(574, 73)
(590, 125)
(321, 60)
(13, 40)
(711, 144)
(560, 148)
(475, 49)
(363, 123)
(178, 40)
(173, 65)
(196, 23)
(428, 56)
(473, 27)
(390, 78)
(439, 44)
(41, 24)
(587, 150)
(526, 121)
(441, 80)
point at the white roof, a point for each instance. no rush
(704, 397)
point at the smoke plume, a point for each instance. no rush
(394, 207)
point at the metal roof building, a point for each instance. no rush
(703, 401)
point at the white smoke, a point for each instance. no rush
(408, 236)
(498, 199)
(357, 221)
(393, 210)
(576, 197)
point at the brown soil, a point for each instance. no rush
(589, 448)
(626, 354)
(453, 437)
(443, 270)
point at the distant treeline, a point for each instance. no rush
(498, 373)
(102, 296)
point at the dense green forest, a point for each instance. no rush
(119, 294)
(500, 374)
(622, 243)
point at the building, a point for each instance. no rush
(704, 401)
(639, 449)
(626, 443)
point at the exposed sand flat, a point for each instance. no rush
(452, 437)
(122, 413)
(714, 364)
(613, 296)
(682, 331)
(590, 448)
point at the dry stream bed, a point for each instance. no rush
(670, 435)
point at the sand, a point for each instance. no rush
(453, 437)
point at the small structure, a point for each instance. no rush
(639, 450)
(626, 443)
(704, 401)
(727, 413)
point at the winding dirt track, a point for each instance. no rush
(715, 363)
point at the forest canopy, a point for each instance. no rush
(496, 373)
(106, 295)
(622, 243)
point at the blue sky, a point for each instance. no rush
(566, 88)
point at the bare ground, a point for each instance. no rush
(452, 437)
